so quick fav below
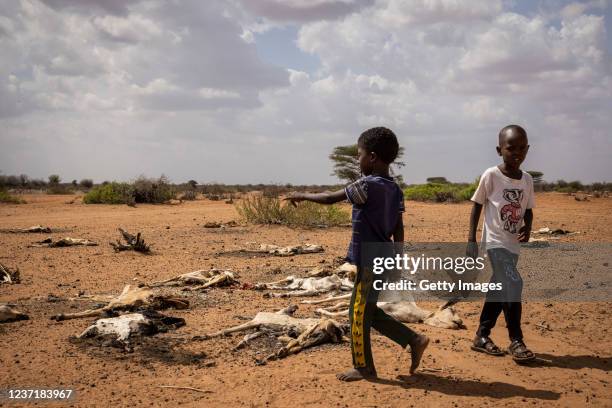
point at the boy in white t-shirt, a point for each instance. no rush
(507, 195)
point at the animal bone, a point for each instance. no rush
(8, 314)
(8, 275)
(405, 311)
(64, 242)
(125, 326)
(306, 286)
(204, 279)
(134, 243)
(132, 298)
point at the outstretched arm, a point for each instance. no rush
(472, 249)
(327, 197)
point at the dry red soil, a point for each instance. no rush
(575, 355)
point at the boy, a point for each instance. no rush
(377, 206)
(507, 195)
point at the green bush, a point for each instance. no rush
(156, 191)
(142, 190)
(59, 189)
(440, 192)
(111, 193)
(5, 197)
(259, 209)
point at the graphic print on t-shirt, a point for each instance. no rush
(511, 213)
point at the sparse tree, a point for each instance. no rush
(346, 163)
(537, 176)
(54, 179)
(24, 180)
(437, 180)
(86, 183)
(192, 184)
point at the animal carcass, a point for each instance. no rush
(306, 286)
(405, 311)
(310, 332)
(131, 299)
(8, 314)
(288, 250)
(201, 279)
(122, 328)
(8, 275)
(64, 242)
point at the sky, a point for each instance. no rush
(261, 91)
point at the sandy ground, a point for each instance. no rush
(575, 355)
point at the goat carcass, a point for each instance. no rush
(306, 286)
(64, 242)
(8, 275)
(123, 327)
(8, 314)
(311, 332)
(288, 250)
(201, 279)
(132, 298)
(405, 311)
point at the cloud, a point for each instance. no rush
(304, 10)
(122, 88)
(109, 57)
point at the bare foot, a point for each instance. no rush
(416, 351)
(355, 374)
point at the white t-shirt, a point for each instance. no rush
(505, 201)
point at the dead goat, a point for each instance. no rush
(306, 286)
(307, 332)
(31, 230)
(8, 275)
(131, 299)
(287, 250)
(64, 242)
(406, 311)
(201, 279)
(8, 314)
(133, 243)
(124, 327)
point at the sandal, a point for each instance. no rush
(519, 351)
(486, 345)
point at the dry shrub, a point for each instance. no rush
(189, 195)
(259, 209)
(5, 197)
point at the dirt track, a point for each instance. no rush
(575, 355)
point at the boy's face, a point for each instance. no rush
(366, 160)
(513, 148)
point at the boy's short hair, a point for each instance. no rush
(514, 128)
(381, 141)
